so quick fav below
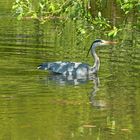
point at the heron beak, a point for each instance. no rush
(109, 43)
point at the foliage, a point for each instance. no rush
(114, 32)
(75, 10)
(23, 8)
(128, 5)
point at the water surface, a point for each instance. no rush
(37, 105)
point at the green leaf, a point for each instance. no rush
(52, 7)
(113, 32)
(19, 17)
(41, 5)
(34, 15)
(17, 1)
(15, 6)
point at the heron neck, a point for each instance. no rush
(96, 59)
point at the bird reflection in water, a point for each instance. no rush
(62, 80)
(94, 102)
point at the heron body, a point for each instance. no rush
(67, 68)
(76, 68)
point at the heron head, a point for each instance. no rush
(100, 42)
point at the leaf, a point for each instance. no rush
(41, 5)
(15, 6)
(99, 14)
(82, 31)
(34, 15)
(17, 1)
(19, 17)
(113, 32)
(52, 7)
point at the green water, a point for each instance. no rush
(35, 105)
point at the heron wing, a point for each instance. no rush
(67, 68)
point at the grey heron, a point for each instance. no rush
(77, 68)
